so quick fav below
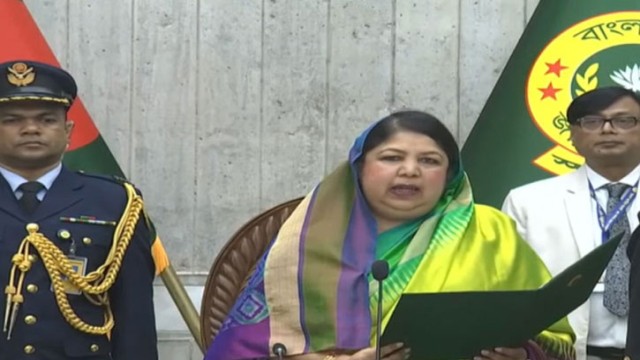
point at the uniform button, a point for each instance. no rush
(64, 234)
(30, 319)
(32, 288)
(33, 258)
(29, 349)
(86, 241)
(94, 347)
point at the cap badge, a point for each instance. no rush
(19, 74)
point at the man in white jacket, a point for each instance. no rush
(567, 216)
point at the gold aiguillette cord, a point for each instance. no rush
(21, 263)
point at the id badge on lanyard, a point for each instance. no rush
(607, 219)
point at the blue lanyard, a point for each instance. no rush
(606, 220)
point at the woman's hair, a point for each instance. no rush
(417, 122)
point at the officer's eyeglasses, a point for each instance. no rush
(593, 123)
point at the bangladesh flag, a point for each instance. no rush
(568, 47)
(20, 38)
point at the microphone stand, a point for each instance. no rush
(380, 271)
(379, 324)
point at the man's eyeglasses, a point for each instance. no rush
(593, 123)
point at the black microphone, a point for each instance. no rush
(279, 350)
(380, 271)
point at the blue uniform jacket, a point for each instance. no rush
(40, 330)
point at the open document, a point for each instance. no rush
(458, 325)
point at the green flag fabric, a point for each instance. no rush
(568, 47)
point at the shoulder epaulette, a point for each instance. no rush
(112, 178)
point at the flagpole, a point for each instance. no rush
(183, 302)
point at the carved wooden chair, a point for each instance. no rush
(233, 265)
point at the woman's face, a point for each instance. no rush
(403, 178)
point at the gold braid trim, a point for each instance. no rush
(93, 285)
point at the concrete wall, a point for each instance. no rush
(219, 109)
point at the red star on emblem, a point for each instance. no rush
(549, 92)
(555, 68)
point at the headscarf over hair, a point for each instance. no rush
(310, 291)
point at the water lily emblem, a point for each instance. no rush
(629, 78)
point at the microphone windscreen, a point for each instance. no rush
(380, 270)
(279, 349)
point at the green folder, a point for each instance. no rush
(459, 325)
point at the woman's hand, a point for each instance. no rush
(395, 351)
(502, 353)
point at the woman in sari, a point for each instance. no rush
(403, 197)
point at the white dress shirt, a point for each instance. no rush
(605, 328)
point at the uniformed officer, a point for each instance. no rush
(75, 249)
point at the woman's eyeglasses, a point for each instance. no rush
(593, 123)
